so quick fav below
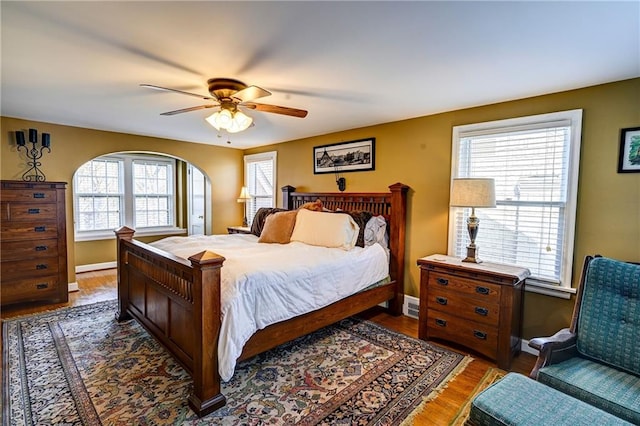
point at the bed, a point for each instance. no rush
(178, 301)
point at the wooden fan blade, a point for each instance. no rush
(166, 89)
(250, 93)
(195, 108)
(277, 109)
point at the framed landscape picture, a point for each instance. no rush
(345, 156)
(629, 160)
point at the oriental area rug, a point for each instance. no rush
(79, 366)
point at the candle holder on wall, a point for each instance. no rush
(33, 174)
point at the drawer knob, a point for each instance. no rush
(482, 290)
(41, 248)
(441, 322)
(41, 266)
(441, 300)
(481, 311)
(42, 286)
(33, 211)
(480, 335)
(38, 195)
(442, 281)
(40, 228)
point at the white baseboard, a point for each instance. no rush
(73, 287)
(96, 267)
(524, 347)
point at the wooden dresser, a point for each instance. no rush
(34, 242)
(478, 306)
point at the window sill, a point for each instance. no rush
(539, 287)
(144, 232)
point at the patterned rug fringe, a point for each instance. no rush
(437, 391)
(491, 376)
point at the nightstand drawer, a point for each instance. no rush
(477, 336)
(474, 309)
(466, 286)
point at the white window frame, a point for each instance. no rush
(562, 288)
(128, 214)
(255, 158)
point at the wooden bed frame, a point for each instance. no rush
(178, 301)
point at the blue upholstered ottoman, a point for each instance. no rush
(519, 400)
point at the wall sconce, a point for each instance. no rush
(33, 154)
(340, 180)
(244, 197)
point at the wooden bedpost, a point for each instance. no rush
(287, 201)
(397, 233)
(123, 234)
(206, 396)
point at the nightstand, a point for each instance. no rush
(238, 230)
(478, 306)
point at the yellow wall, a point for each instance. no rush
(417, 152)
(73, 146)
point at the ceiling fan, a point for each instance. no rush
(228, 95)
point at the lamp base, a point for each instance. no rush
(244, 222)
(472, 253)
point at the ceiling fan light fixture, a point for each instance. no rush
(232, 122)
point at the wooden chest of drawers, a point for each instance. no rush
(478, 306)
(33, 242)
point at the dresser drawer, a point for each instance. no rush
(30, 195)
(27, 212)
(477, 336)
(475, 309)
(28, 230)
(29, 267)
(479, 289)
(29, 289)
(18, 250)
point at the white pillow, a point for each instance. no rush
(325, 229)
(376, 232)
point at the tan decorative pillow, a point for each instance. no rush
(314, 206)
(325, 229)
(278, 227)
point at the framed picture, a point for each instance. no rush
(629, 161)
(349, 156)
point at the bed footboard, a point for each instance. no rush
(178, 302)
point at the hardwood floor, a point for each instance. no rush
(101, 285)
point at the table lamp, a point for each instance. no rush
(244, 197)
(473, 192)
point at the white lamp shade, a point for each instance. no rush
(232, 122)
(473, 192)
(244, 195)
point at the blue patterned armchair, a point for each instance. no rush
(597, 359)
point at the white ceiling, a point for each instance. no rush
(350, 64)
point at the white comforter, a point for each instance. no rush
(266, 283)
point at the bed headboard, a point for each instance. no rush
(392, 205)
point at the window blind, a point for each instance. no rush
(260, 181)
(532, 224)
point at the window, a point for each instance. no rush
(534, 161)
(132, 190)
(260, 179)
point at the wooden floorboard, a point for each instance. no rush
(99, 286)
